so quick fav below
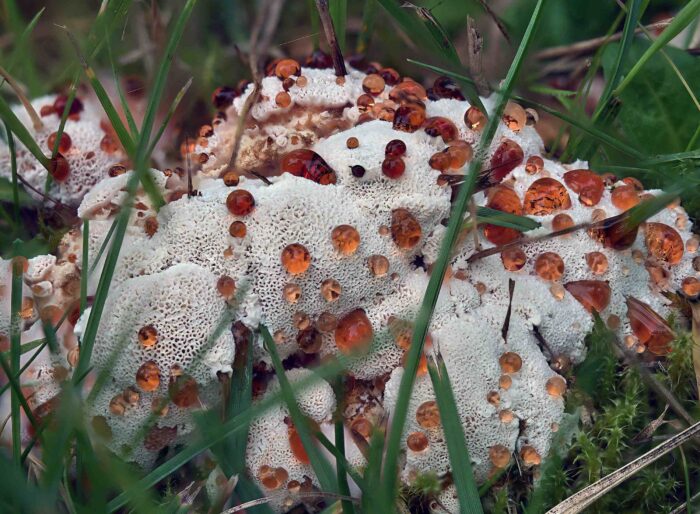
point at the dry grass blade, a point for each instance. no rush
(331, 37)
(585, 497)
(19, 130)
(36, 120)
(695, 306)
(283, 494)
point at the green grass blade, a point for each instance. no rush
(339, 15)
(341, 470)
(85, 275)
(505, 219)
(390, 471)
(340, 458)
(18, 129)
(462, 473)
(13, 168)
(321, 466)
(646, 209)
(25, 367)
(15, 342)
(684, 18)
(315, 24)
(369, 14)
(169, 115)
(120, 91)
(103, 246)
(20, 48)
(373, 471)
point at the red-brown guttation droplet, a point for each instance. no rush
(223, 97)
(308, 164)
(508, 156)
(504, 199)
(59, 168)
(319, 60)
(440, 126)
(240, 202)
(408, 91)
(405, 229)
(592, 294)
(663, 242)
(650, 329)
(64, 144)
(297, 446)
(409, 117)
(544, 196)
(158, 438)
(587, 184)
(354, 333)
(616, 232)
(295, 258)
(445, 87)
(624, 197)
(183, 391)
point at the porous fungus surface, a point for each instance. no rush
(332, 253)
(87, 150)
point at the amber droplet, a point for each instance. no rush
(635, 183)
(373, 84)
(296, 258)
(544, 196)
(440, 161)
(330, 290)
(442, 127)
(354, 333)
(362, 426)
(309, 340)
(530, 456)
(417, 442)
(475, 119)
(283, 99)
(150, 225)
(286, 68)
(352, 143)
(493, 398)
(148, 376)
(309, 165)
(59, 168)
(240, 202)
(459, 153)
(597, 262)
(116, 170)
(514, 116)
(301, 320)
(408, 91)
(237, 229)
(291, 293)
(409, 118)
(663, 242)
(364, 102)
(510, 362)
(690, 286)
(562, 221)
(395, 148)
(504, 382)
(272, 478)
(117, 405)
(148, 336)
(587, 184)
(615, 232)
(508, 156)
(499, 455)
(405, 229)
(46, 110)
(592, 294)
(378, 265)
(223, 97)
(326, 322)
(226, 286)
(504, 199)
(64, 144)
(345, 239)
(624, 197)
(108, 144)
(534, 165)
(183, 391)
(393, 167)
(428, 414)
(231, 178)
(549, 266)
(650, 329)
(513, 258)
(297, 446)
(445, 87)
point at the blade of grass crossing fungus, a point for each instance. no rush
(122, 220)
(373, 470)
(462, 474)
(684, 18)
(326, 371)
(19, 130)
(390, 471)
(505, 219)
(369, 15)
(171, 111)
(62, 127)
(84, 276)
(120, 91)
(340, 459)
(13, 167)
(321, 466)
(315, 23)
(339, 14)
(339, 432)
(20, 48)
(15, 342)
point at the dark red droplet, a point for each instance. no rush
(505, 159)
(308, 164)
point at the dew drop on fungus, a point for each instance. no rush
(116, 170)
(514, 116)
(373, 84)
(690, 286)
(663, 242)
(330, 290)
(183, 391)
(459, 153)
(364, 102)
(499, 456)
(442, 127)
(223, 97)
(597, 262)
(545, 196)
(301, 320)
(357, 171)
(587, 184)
(534, 165)
(549, 266)
(530, 456)
(296, 445)
(592, 294)
(286, 68)
(237, 229)
(295, 258)
(614, 232)
(307, 164)
(504, 199)
(408, 91)
(510, 362)
(345, 239)
(395, 148)
(59, 168)
(148, 336)
(354, 333)
(352, 143)
(150, 226)
(291, 293)
(624, 197)
(361, 426)
(240, 202)
(390, 76)
(393, 167)
(148, 376)
(409, 118)
(428, 415)
(64, 144)
(378, 265)
(283, 99)
(513, 258)
(475, 119)
(405, 229)
(445, 87)
(226, 286)
(326, 322)
(417, 442)
(507, 156)
(649, 328)
(309, 340)
(562, 221)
